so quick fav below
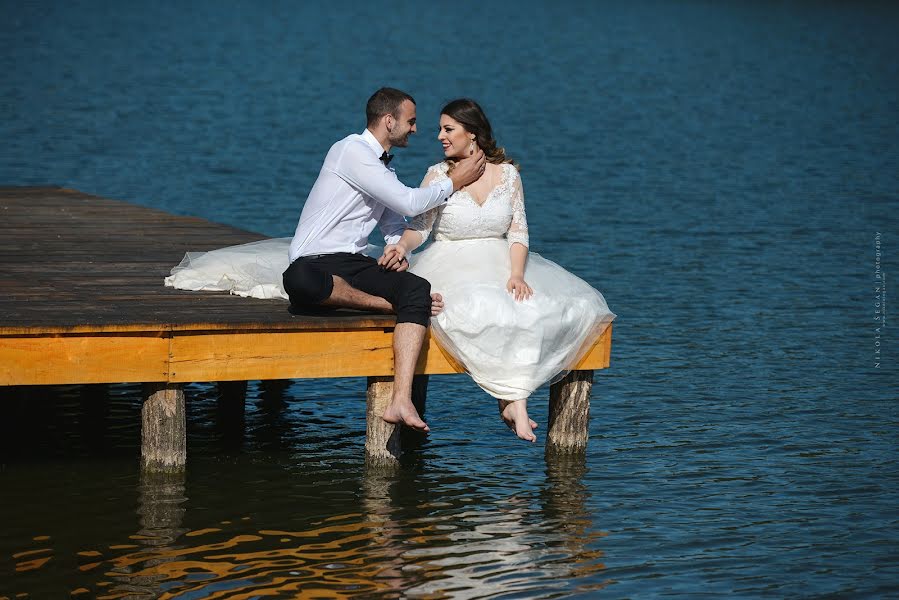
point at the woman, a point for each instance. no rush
(514, 320)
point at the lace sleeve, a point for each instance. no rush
(518, 229)
(424, 222)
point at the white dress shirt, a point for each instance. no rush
(353, 193)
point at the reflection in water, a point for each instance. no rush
(511, 545)
(564, 500)
(415, 536)
(160, 508)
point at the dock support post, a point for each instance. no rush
(231, 411)
(163, 428)
(382, 440)
(569, 412)
(94, 415)
(274, 386)
(232, 392)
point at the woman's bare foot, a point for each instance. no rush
(401, 412)
(436, 304)
(515, 415)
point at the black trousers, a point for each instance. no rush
(308, 281)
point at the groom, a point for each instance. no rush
(356, 190)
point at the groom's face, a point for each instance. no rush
(403, 125)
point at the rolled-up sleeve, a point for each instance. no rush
(392, 226)
(362, 170)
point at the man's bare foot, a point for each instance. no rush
(436, 304)
(515, 415)
(401, 412)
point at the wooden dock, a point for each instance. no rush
(82, 301)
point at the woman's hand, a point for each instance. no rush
(519, 288)
(394, 258)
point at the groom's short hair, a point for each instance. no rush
(386, 101)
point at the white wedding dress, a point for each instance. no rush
(251, 270)
(509, 348)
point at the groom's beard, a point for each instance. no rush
(400, 141)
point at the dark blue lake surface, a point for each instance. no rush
(727, 174)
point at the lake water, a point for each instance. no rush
(726, 173)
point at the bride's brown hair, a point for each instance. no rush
(471, 116)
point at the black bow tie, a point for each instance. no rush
(386, 158)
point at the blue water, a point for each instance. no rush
(725, 173)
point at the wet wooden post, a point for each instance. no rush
(569, 412)
(233, 393)
(231, 402)
(95, 413)
(231, 411)
(382, 439)
(274, 386)
(163, 428)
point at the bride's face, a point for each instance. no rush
(455, 139)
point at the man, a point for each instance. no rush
(355, 191)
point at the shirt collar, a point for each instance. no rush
(369, 137)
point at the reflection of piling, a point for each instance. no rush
(389, 533)
(565, 496)
(564, 501)
(160, 508)
(161, 513)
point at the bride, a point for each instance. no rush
(512, 318)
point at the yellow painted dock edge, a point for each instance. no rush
(183, 356)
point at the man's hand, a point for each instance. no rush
(468, 170)
(394, 258)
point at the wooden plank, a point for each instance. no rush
(214, 319)
(598, 356)
(231, 355)
(236, 355)
(38, 360)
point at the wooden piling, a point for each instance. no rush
(569, 412)
(163, 428)
(231, 412)
(232, 392)
(382, 440)
(232, 399)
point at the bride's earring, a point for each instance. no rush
(471, 148)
